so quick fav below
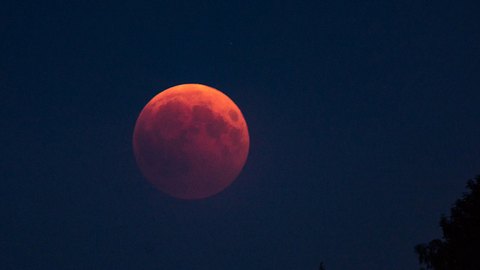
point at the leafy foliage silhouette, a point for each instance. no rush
(459, 248)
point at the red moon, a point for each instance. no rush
(191, 141)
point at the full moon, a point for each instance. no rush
(191, 141)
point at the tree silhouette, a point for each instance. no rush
(459, 249)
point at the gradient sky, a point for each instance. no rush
(363, 116)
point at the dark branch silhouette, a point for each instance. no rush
(459, 248)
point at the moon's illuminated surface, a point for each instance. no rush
(191, 141)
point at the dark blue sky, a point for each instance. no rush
(363, 116)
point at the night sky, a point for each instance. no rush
(363, 119)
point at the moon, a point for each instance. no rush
(191, 141)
